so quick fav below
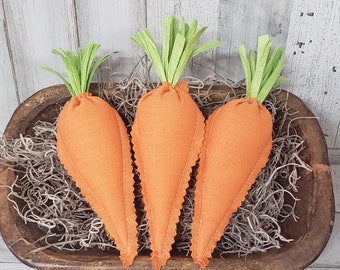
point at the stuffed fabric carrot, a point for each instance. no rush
(93, 145)
(167, 132)
(237, 143)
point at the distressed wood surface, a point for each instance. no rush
(306, 29)
(329, 258)
(111, 23)
(34, 28)
(241, 22)
(336, 185)
(204, 63)
(313, 61)
(8, 92)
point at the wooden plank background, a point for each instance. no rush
(308, 30)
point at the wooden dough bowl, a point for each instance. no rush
(311, 232)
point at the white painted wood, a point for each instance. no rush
(34, 28)
(330, 255)
(241, 22)
(8, 93)
(204, 11)
(336, 186)
(7, 260)
(14, 266)
(334, 156)
(111, 24)
(313, 61)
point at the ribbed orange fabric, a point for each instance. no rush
(167, 136)
(236, 147)
(93, 145)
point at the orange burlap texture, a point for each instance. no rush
(93, 145)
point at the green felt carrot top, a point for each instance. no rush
(80, 67)
(179, 46)
(263, 73)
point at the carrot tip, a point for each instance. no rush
(127, 259)
(156, 264)
(158, 261)
(201, 262)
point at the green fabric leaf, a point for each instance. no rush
(264, 46)
(206, 46)
(272, 80)
(87, 56)
(147, 43)
(252, 63)
(273, 62)
(93, 70)
(79, 67)
(263, 72)
(246, 67)
(167, 35)
(183, 27)
(280, 80)
(192, 28)
(179, 46)
(67, 84)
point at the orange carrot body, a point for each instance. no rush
(167, 136)
(93, 146)
(236, 147)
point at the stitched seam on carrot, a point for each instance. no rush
(238, 196)
(124, 184)
(85, 184)
(203, 184)
(142, 171)
(182, 176)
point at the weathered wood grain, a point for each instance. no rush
(336, 186)
(307, 29)
(334, 156)
(8, 92)
(313, 61)
(5, 254)
(241, 22)
(330, 255)
(34, 28)
(14, 266)
(111, 24)
(205, 12)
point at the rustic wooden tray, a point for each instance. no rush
(311, 233)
